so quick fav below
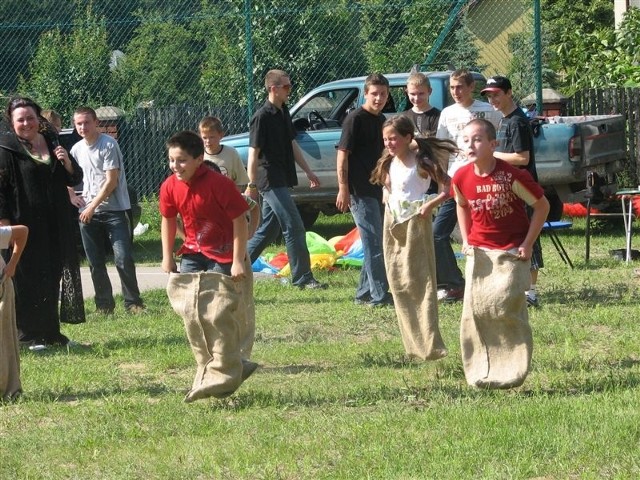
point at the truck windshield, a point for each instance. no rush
(331, 104)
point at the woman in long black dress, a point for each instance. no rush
(34, 174)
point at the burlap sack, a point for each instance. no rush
(411, 270)
(212, 308)
(10, 385)
(495, 336)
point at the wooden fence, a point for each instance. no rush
(143, 135)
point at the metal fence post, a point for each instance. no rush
(249, 57)
(451, 21)
(537, 41)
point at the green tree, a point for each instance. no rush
(461, 50)
(314, 42)
(521, 70)
(575, 31)
(222, 77)
(161, 65)
(395, 36)
(602, 58)
(46, 70)
(560, 16)
(68, 70)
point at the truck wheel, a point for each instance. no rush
(555, 208)
(309, 215)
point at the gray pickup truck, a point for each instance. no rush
(566, 147)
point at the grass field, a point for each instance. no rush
(335, 397)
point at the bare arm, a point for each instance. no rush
(252, 171)
(254, 220)
(517, 159)
(76, 200)
(540, 212)
(298, 156)
(240, 235)
(168, 228)
(343, 201)
(107, 188)
(464, 221)
(19, 234)
(427, 207)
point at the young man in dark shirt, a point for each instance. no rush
(359, 149)
(273, 155)
(423, 115)
(515, 146)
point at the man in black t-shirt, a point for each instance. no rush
(273, 154)
(359, 149)
(515, 146)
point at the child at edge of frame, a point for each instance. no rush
(10, 385)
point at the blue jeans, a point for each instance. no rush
(197, 262)
(367, 214)
(279, 212)
(447, 271)
(116, 227)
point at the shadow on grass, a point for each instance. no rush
(596, 365)
(145, 342)
(330, 226)
(445, 389)
(293, 369)
(422, 396)
(588, 386)
(362, 398)
(152, 390)
(105, 349)
(611, 294)
(386, 360)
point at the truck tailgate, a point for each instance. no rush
(602, 139)
(567, 147)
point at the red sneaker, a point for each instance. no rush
(454, 295)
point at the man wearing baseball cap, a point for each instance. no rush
(515, 146)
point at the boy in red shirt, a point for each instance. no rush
(498, 239)
(211, 207)
(214, 270)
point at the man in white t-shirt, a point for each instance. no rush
(105, 212)
(452, 121)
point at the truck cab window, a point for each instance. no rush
(326, 110)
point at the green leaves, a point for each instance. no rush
(591, 54)
(70, 69)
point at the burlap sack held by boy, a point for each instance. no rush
(213, 309)
(495, 336)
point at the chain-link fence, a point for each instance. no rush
(166, 64)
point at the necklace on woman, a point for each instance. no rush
(38, 149)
